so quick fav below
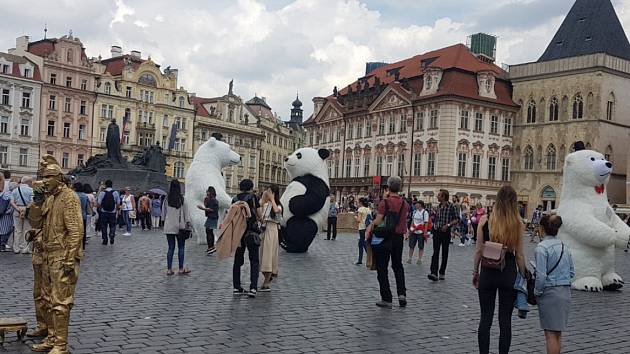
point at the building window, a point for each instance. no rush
(528, 158)
(479, 122)
(507, 127)
(578, 107)
(5, 97)
(433, 120)
(461, 164)
(23, 160)
(419, 123)
(178, 170)
(392, 125)
(357, 166)
(610, 108)
(83, 85)
(68, 81)
(108, 88)
(553, 110)
(51, 128)
(4, 154)
(381, 126)
(82, 131)
(125, 137)
(492, 167)
(366, 166)
(401, 165)
(494, 124)
(505, 169)
(110, 111)
(80, 159)
(6, 69)
(336, 169)
(26, 100)
(104, 111)
(181, 102)
(53, 79)
(551, 157)
(417, 160)
(128, 92)
(476, 167)
(83, 108)
(25, 127)
(102, 135)
(403, 124)
(531, 112)
(431, 164)
(359, 130)
(349, 135)
(165, 121)
(52, 103)
(66, 130)
(379, 165)
(65, 159)
(4, 125)
(348, 167)
(389, 165)
(27, 73)
(463, 120)
(67, 106)
(368, 128)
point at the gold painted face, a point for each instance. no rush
(51, 183)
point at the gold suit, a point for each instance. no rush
(61, 240)
(34, 235)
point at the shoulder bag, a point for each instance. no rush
(531, 280)
(492, 254)
(25, 205)
(186, 232)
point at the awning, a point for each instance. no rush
(428, 193)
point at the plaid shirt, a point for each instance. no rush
(445, 215)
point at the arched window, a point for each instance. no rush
(181, 102)
(531, 112)
(551, 157)
(553, 110)
(108, 88)
(578, 107)
(178, 169)
(610, 107)
(528, 158)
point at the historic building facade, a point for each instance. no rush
(67, 97)
(20, 91)
(577, 90)
(442, 119)
(148, 106)
(278, 143)
(230, 117)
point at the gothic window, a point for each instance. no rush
(578, 107)
(531, 112)
(551, 157)
(610, 107)
(528, 158)
(553, 110)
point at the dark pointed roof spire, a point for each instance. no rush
(592, 26)
(297, 103)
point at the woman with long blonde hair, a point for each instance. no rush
(504, 226)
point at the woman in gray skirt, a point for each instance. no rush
(554, 271)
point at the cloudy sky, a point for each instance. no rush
(275, 48)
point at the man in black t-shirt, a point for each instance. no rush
(250, 241)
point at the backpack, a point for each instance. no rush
(390, 221)
(108, 203)
(368, 219)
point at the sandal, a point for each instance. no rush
(184, 271)
(170, 272)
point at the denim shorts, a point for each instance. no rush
(414, 239)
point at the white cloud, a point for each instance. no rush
(122, 10)
(140, 24)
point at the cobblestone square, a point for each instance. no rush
(321, 303)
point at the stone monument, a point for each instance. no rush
(144, 172)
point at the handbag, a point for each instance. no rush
(531, 280)
(493, 255)
(186, 232)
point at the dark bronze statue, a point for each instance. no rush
(113, 143)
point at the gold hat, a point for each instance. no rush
(51, 170)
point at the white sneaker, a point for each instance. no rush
(126, 234)
(462, 245)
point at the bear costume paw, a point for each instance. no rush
(591, 284)
(612, 281)
(298, 235)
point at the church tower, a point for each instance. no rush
(297, 112)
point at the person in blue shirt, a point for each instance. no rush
(554, 271)
(108, 203)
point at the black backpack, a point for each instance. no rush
(390, 221)
(108, 203)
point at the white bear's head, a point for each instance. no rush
(586, 168)
(306, 161)
(217, 153)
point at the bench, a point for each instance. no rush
(13, 324)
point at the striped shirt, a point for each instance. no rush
(445, 215)
(6, 218)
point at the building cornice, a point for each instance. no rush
(570, 66)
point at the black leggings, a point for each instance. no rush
(210, 238)
(491, 281)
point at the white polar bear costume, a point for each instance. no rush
(205, 171)
(590, 227)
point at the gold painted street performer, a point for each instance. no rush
(62, 235)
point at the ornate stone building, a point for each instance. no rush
(229, 116)
(67, 97)
(278, 143)
(148, 106)
(577, 90)
(442, 119)
(20, 91)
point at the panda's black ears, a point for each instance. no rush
(579, 145)
(323, 153)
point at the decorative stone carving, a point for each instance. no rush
(485, 84)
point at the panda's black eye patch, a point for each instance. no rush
(299, 155)
(592, 159)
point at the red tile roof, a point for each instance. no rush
(198, 102)
(115, 66)
(16, 68)
(46, 46)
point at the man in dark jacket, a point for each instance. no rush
(250, 241)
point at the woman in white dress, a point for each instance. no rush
(272, 215)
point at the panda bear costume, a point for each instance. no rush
(306, 199)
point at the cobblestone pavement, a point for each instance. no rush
(321, 303)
